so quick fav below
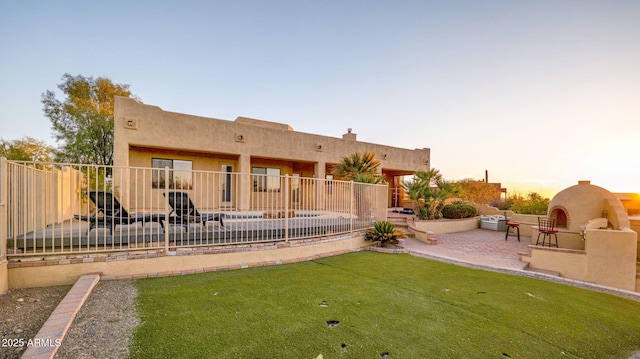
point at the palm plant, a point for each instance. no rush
(358, 168)
(367, 178)
(361, 168)
(428, 191)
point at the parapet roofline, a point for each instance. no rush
(262, 123)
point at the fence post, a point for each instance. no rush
(286, 208)
(351, 186)
(166, 210)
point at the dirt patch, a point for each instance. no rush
(22, 314)
(102, 329)
(105, 323)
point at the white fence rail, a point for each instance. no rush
(65, 208)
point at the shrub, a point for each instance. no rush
(384, 232)
(458, 210)
(534, 203)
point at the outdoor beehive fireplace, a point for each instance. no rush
(577, 205)
(560, 215)
(595, 242)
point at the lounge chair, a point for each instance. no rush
(184, 212)
(113, 214)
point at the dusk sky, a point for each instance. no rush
(539, 93)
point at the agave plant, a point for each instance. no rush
(384, 232)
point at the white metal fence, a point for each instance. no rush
(65, 208)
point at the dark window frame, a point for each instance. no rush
(179, 178)
(265, 179)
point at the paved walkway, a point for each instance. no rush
(486, 249)
(479, 247)
(49, 338)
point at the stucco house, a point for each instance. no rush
(147, 136)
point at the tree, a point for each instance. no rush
(478, 192)
(358, 168)
(429, 190)
(534, 203)
(26, 149)
(83, 122)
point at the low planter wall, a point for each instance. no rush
(423, 236)
(387, 250)
(526, 220)
(439, 226)
(58, 270)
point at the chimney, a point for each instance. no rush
(349, 135)
(486, 176)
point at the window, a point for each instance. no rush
(179, 173)
(266, 179)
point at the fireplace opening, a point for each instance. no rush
(561, 217)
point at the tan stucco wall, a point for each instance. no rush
(448, 225)
(566, 239)
(142, 156)
(4, 276)
(570, 264)
(630, 202)
(635, 226)
(611, 258)
(150, 129)
(155, 128)
(151, 199)
(40, 276)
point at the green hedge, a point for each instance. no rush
(458, 210)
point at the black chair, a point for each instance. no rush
(184, 212)
(546, 228)
(110, 213)
(510, 224)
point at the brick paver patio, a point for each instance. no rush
(478, 247)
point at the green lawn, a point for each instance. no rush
(405, 306)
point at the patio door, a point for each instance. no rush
(226, 185)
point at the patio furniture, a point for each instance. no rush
(493, 222)
(511, 224)
(546, 229)
(113, 214)
(406, 210)
(184, 212)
